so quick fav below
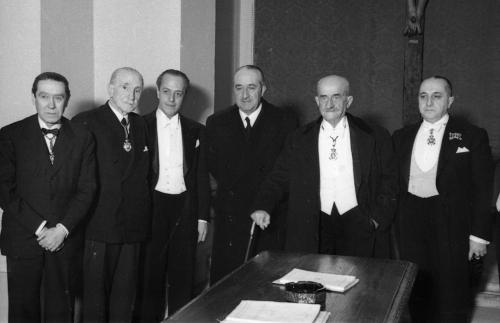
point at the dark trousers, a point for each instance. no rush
(110, 281)
(349, 234)
(61, 279)
(441, 292)
(171, 254)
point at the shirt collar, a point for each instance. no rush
(327, 126)
(165, 121)
(436, 125)
(252, 116)
(117, 112)
(46, 126)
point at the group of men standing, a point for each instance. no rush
(123, 199)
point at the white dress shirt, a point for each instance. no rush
(252, 116)
(336, 168)
(427, 155)
(170, 152)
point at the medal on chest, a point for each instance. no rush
(127, 145)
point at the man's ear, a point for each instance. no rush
(110, 89)
(350, 98)
(317, 100)
(450, 101)
(33, 99)
(264, 88)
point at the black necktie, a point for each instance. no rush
(54, 131)
(248, 128)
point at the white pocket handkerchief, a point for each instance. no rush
(197, 143)
(461, 150)
(145, 149)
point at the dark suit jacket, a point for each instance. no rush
(297, 172)
(195, 164)
(240, 167)
(32, 190)
(121, 213)
(464, 180)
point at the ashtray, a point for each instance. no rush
(307, 292)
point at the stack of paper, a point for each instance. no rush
(276, 312)
(332, 282)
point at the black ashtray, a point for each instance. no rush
(305, 292)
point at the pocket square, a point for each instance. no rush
(145, 149)
(197, 143)
(461, 150)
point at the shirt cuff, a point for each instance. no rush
(479, 240)
(66, 232)
(202, 221)
(40, 228)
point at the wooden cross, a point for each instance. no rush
(413, 62)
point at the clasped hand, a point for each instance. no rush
(51, 239)
(261, 218)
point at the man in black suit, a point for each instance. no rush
(445, 174)
(338, 173)
(180, 199)
(244, 141)
(120, 219)
(47, 183)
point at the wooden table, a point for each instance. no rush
(380, 296)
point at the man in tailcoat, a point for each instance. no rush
(244, 141)
(340, 178)
(181, 198)
(120, 220)
(443, 221)
(47, 183)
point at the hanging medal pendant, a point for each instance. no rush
(333, 154)
(333, 150)
(127, 146)
(431, 140)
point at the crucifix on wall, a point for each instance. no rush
(413, 63)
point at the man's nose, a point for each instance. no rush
(245, 93)
(428, 101)
(52, 103)
(171, 97)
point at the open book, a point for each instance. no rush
(276, 312)
(332, 282)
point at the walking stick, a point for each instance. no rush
(250, 240)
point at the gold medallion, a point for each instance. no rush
(127, 146)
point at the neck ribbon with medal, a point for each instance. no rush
(127, 145)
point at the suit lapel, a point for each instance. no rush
(189, 138)
(115, 133)
(135, 138)
(406, 151)
(447, 148)
(153, 134)
(37, 145)
(263, 129)
(63, 146)
(362, 147)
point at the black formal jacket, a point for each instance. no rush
(239, 167)
(197, 201)
(463, 180)
(297, 172)
(32, 190)
(121, 213)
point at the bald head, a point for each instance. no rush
(124, 89)
(336, 80)
(333, 98)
